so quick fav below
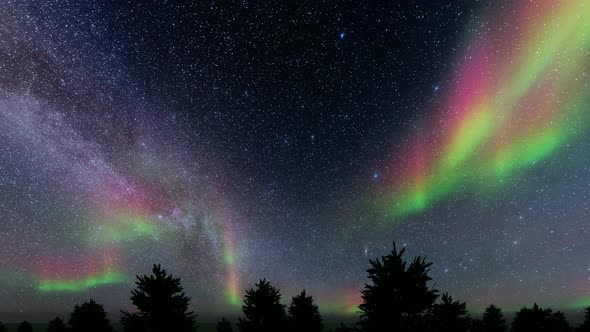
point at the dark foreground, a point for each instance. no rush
(399, 297)
(203, 327)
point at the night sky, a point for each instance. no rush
(236, 140)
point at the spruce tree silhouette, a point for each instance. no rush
(224, 325)
(344, 328)
(56, 325)
(3, 328)
(399, 295)
(25, 327)
(449, 316)
(133, 323)
(493, 320)
(263, 311)
(304, 315)
(534, 319)
(162, 305)
(476, 325)
(89, 317)
(585, 326)
(558, 323)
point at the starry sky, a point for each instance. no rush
(235, 140)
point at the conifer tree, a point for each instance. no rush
(263, 311)
(25, 327)
(304, 315)
(533, 319)
(585, 326)
(133, 322)
(162, 305)
(449, 315)
(476, 325)
(224, 326)
(558, 323)
(493, 320)
(56, 325)
(399, 294)
(89, 317)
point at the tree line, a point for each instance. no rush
(398, 298)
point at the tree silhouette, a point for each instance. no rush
(89, 317)
(558, 323)
(3, 328)
(133, 323)
(493, 320)
(224, 325)
(449, 315)
(263, 311)
(56, 325)
(399, 294)
(585, 326)
(535, 319)
(476, 325)
(25, 327)
(304, 315)
(162, 305)
(344, 328)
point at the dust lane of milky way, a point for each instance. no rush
(124, 186)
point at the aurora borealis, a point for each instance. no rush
(231, 141)
(499, 121)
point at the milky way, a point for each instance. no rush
(232, 142)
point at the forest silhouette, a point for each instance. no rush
(397, 298)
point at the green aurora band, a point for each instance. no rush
(503, 122)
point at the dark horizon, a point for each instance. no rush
(400, 295)
(574, 317)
